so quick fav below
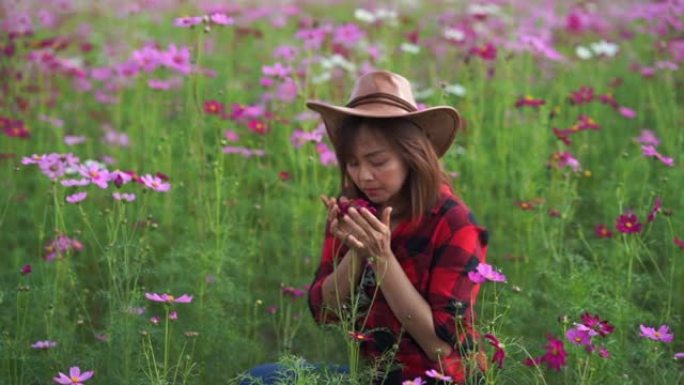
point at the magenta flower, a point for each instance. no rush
(432, 373)
(277, 70)
(529, 102)
(26, 269)
(77, 197)
(628, 223)
(72, 140)
(598, 325)
(154, 320)
(566, 159)
(555, 356)
(603, 352)
(650, 152)
(348, 35)
(293, 292)
(581, 96)
(499, 352)
(58, 247)
(75, 376)
(486, 272)
(663, 333)
(177, 59)
(44, 345)
(168, 298)
(602, 231)
(679, 356)
(679, 242)
(657, 206)
(155, 183)
(120, 178)
(173, 315)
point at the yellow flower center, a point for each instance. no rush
(75, 379)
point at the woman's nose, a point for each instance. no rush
(365, 173)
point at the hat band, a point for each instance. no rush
(381, 97)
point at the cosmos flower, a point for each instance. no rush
(594, 322)
(358, 204)
(579, 335)
(432, 373)
(77, 197)
(602, 231)
(128, 197)
(499, 351)
(168, 298)
(628, 223)
(663, 333)
(648, 137)
(555, 356)
(679, 242)
(213, 107)
(155, 183)
(416, 381)
(75, 376)
(44, 344)
(486, 272)
(657, 207)
(529, 101)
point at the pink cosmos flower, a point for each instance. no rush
(286, 52)
(168, 298)
(96, 174)
(26, 269)
(177, 59)
(128, 197)
(679, 356)
(529, 102)
(432, 373)
(648, 137)
(277, 70)
(75, 182)
(148, 58)
(348, 35)
(486, 272)
(75, 376)
(581, 96)
(72, 140)
(628, 223)
(221, 19)
(650, 151)
(173, 315)
(292, 292)
(120, 178)
(44, 345)
(187, 21)
(579, 335)
(60, 246)
(77, 197)
(627, 112)
(415, 381)
(566, 159)
(663, 333)
(155, 183)
(154, 320)
(232, 136)
(326, 156)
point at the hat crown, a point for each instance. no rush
(381, 84)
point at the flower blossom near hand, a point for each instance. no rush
(168, 298)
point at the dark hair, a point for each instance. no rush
(425, 174)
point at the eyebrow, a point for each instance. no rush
(373, 153)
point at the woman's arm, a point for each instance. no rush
(337, 287)
(410, 308)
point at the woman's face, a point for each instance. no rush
(376, 168)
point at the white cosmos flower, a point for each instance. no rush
(605, 48)
(455, 89)
(454, 34)
(583, 52)
(364, 15)
(410, 48)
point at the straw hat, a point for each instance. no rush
(383, 94)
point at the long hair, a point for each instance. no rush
(425, 173)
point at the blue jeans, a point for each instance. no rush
(274, 373)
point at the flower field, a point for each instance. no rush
(160, 179)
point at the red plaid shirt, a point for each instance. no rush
(436, 253)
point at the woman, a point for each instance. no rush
(406, 268)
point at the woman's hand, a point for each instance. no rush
(369, 234)
(339, 230)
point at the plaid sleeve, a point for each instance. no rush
(333, 250)
(459, 247)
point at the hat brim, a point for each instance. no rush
(439, 124)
